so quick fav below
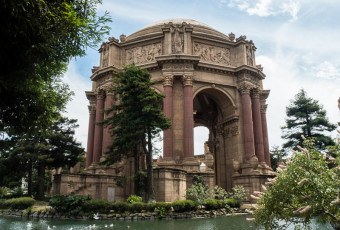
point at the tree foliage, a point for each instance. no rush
(307, 187)
(306, 117)
(38, 39)
(30, 155)
(277, 154)
(137, 118)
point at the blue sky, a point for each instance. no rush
(298, 44)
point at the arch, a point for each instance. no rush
(218, 89)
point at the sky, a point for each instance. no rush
(298, 44)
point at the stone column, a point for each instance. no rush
(107, 138)
(90, 136)
(167, 108)
(188, 117)
(98, 131)
(247, 122)
(265, 134)
(257, 124)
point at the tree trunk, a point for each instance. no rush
(41, 180)
(149, 190)
(29, 179)
(136, 156)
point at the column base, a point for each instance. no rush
(191, 164)
(166, 163)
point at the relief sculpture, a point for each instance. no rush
(249, 56)
(105, 51)
(143, 54)
(177, 38)
(212, 54)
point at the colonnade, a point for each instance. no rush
(99, 137)
(254, 125)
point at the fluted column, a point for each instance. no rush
(107, 138)
(247, 122)
(90, 136)
(265, 134)
(257, 124)
(167, 109)
(98, 131)
(188, 117)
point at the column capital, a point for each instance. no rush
(100, 95)
(245, 88)
(255, 93)
(263, 108)
(92, 109)
(168, 80)
(188, 79)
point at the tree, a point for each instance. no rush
(306, 117)
(276, 155)
(38, 39)
(306, 187)
(137, 118)
(30, 155)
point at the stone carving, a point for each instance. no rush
(168, 80)
(255, 93)
(212, 54)
(92, 109)
(245, 88)
(263, 108)
(143, 54)
(249, 56)
(122, 38)
(177, 66)
(105, 54)
(188, 79)
(234, 130)
(177, 35)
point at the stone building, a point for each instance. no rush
(209, 79)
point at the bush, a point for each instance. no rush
(101, 206)
(69, 204)
(137, 207)
(121, 207)
(184, 205)
(17, 203)
(232, 203)
(213, 204)
(133, 199)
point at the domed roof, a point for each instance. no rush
(157, 27)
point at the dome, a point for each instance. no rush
(156, 27)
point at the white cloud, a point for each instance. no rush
(77, 108)
(262, 8)
(327, 70)
(291, 7)
(265, 8)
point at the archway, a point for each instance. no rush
(212, 107)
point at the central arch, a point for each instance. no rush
(212, 107)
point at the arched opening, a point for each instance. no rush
(201, 135)
(212, 107)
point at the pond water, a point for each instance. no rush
(231, 222)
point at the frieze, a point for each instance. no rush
(212, 54)
(143, 54)
(177, 66)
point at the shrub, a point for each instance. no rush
(133, 199)
(232, 203)
(101, 206)
(239, 193)
(121, 207)
(213, 204)
(69, 204)
(17, 203)
(137, 207)
(184, 205)
(2, 204)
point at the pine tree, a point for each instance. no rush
(137, 119)
(305, 116)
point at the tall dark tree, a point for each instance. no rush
(38, 39)
(53, 148)
(305, 116)
(137, 119)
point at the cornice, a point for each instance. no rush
(99, 73)
(177, 58)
